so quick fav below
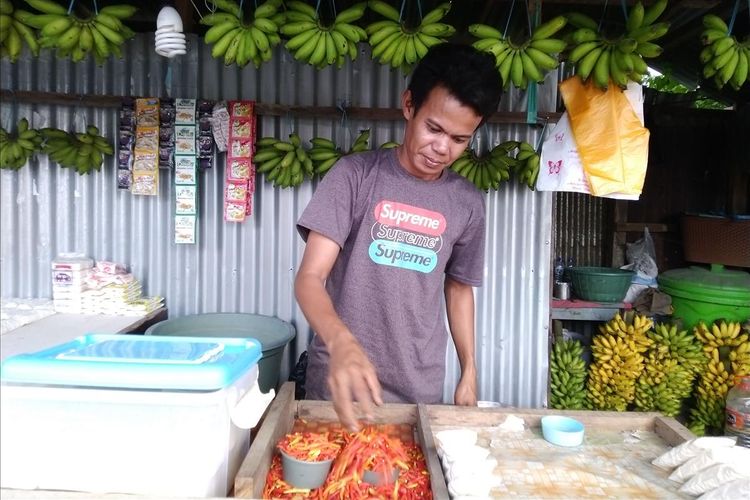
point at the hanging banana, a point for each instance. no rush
(235, 41)
(621, 59)
(83, 152)
(15, 32)
(17, 149)
(724, 58)
(320, 44)
(486, 171)
(526, 62)
(285, 163)
(397, 45)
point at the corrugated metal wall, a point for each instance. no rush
(579, 229)
(250, 267)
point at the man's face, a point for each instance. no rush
(435, 135)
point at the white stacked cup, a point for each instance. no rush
(169, 38)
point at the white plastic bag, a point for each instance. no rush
(561, 168)
(715, 476)
(687, 450)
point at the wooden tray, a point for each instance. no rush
(606, 464)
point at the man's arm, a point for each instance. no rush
(351, 375)
(459, 301)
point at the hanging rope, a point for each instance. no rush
(734, 16)
(604, 11)
(401, 11)
(624, 6)
(70, 6)
(510, 14)
(96, 8)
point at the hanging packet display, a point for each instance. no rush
(185, 175)
(239, 183)
(146, 149)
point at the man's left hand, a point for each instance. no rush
(466, 391)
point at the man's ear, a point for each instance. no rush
(407, 106)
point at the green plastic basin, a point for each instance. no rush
(600, 284)
(701, 294)
(272, 333)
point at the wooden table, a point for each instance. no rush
(60, 328)
(618, 444)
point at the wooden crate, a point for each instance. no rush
(426, 419)
(285, 411)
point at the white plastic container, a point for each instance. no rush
(173, 433)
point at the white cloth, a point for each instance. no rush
(687, 450)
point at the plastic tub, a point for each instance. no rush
(272, 333)
(701, 294)
(163, 416)
(562, 431)
(601, 284)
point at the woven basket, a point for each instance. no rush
(716, 240)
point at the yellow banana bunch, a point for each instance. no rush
(525, 62)
(725, 59)
(621, 59)
(726, 346)
(325, 154)
(285, 163)
(617, 365)
(101, 34)
(83, 152)
(400, 46)
(14, 32)
(238, 42)
(567, 376)
(486, 171)
(673, 361)
(321, 44)
(527, 161)
(16, 149)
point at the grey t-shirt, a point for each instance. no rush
(399, 235)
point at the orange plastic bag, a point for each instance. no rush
(611, 140)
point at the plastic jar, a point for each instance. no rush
(738, 412)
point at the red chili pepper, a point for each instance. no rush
(369, 449)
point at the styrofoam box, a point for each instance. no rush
(103, 440)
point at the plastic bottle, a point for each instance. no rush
(559, 269)
(738, 412)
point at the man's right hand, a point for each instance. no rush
(352, 377)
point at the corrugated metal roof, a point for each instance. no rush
(250, 267)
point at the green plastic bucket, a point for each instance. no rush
(272, 333)
(701, 294)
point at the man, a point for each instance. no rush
(389, 231)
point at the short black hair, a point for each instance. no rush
(465, 72)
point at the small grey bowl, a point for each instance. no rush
(301, 474)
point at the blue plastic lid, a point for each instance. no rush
(136, 362)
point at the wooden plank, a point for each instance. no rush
(671, 431)
(322, 411)
(251, 477)
(427, 441)
(263, 109)
(466, 416)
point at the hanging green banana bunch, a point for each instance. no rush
(16, 150)
(102, 34)
(285, 163)
(486, 171)
(319, 44)
(399, 46)
(621, 59)
(325, 154)
(238, 42)
(525, 62)
(725, 59)
(527, 164)
(14, 32)
(83, 152)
